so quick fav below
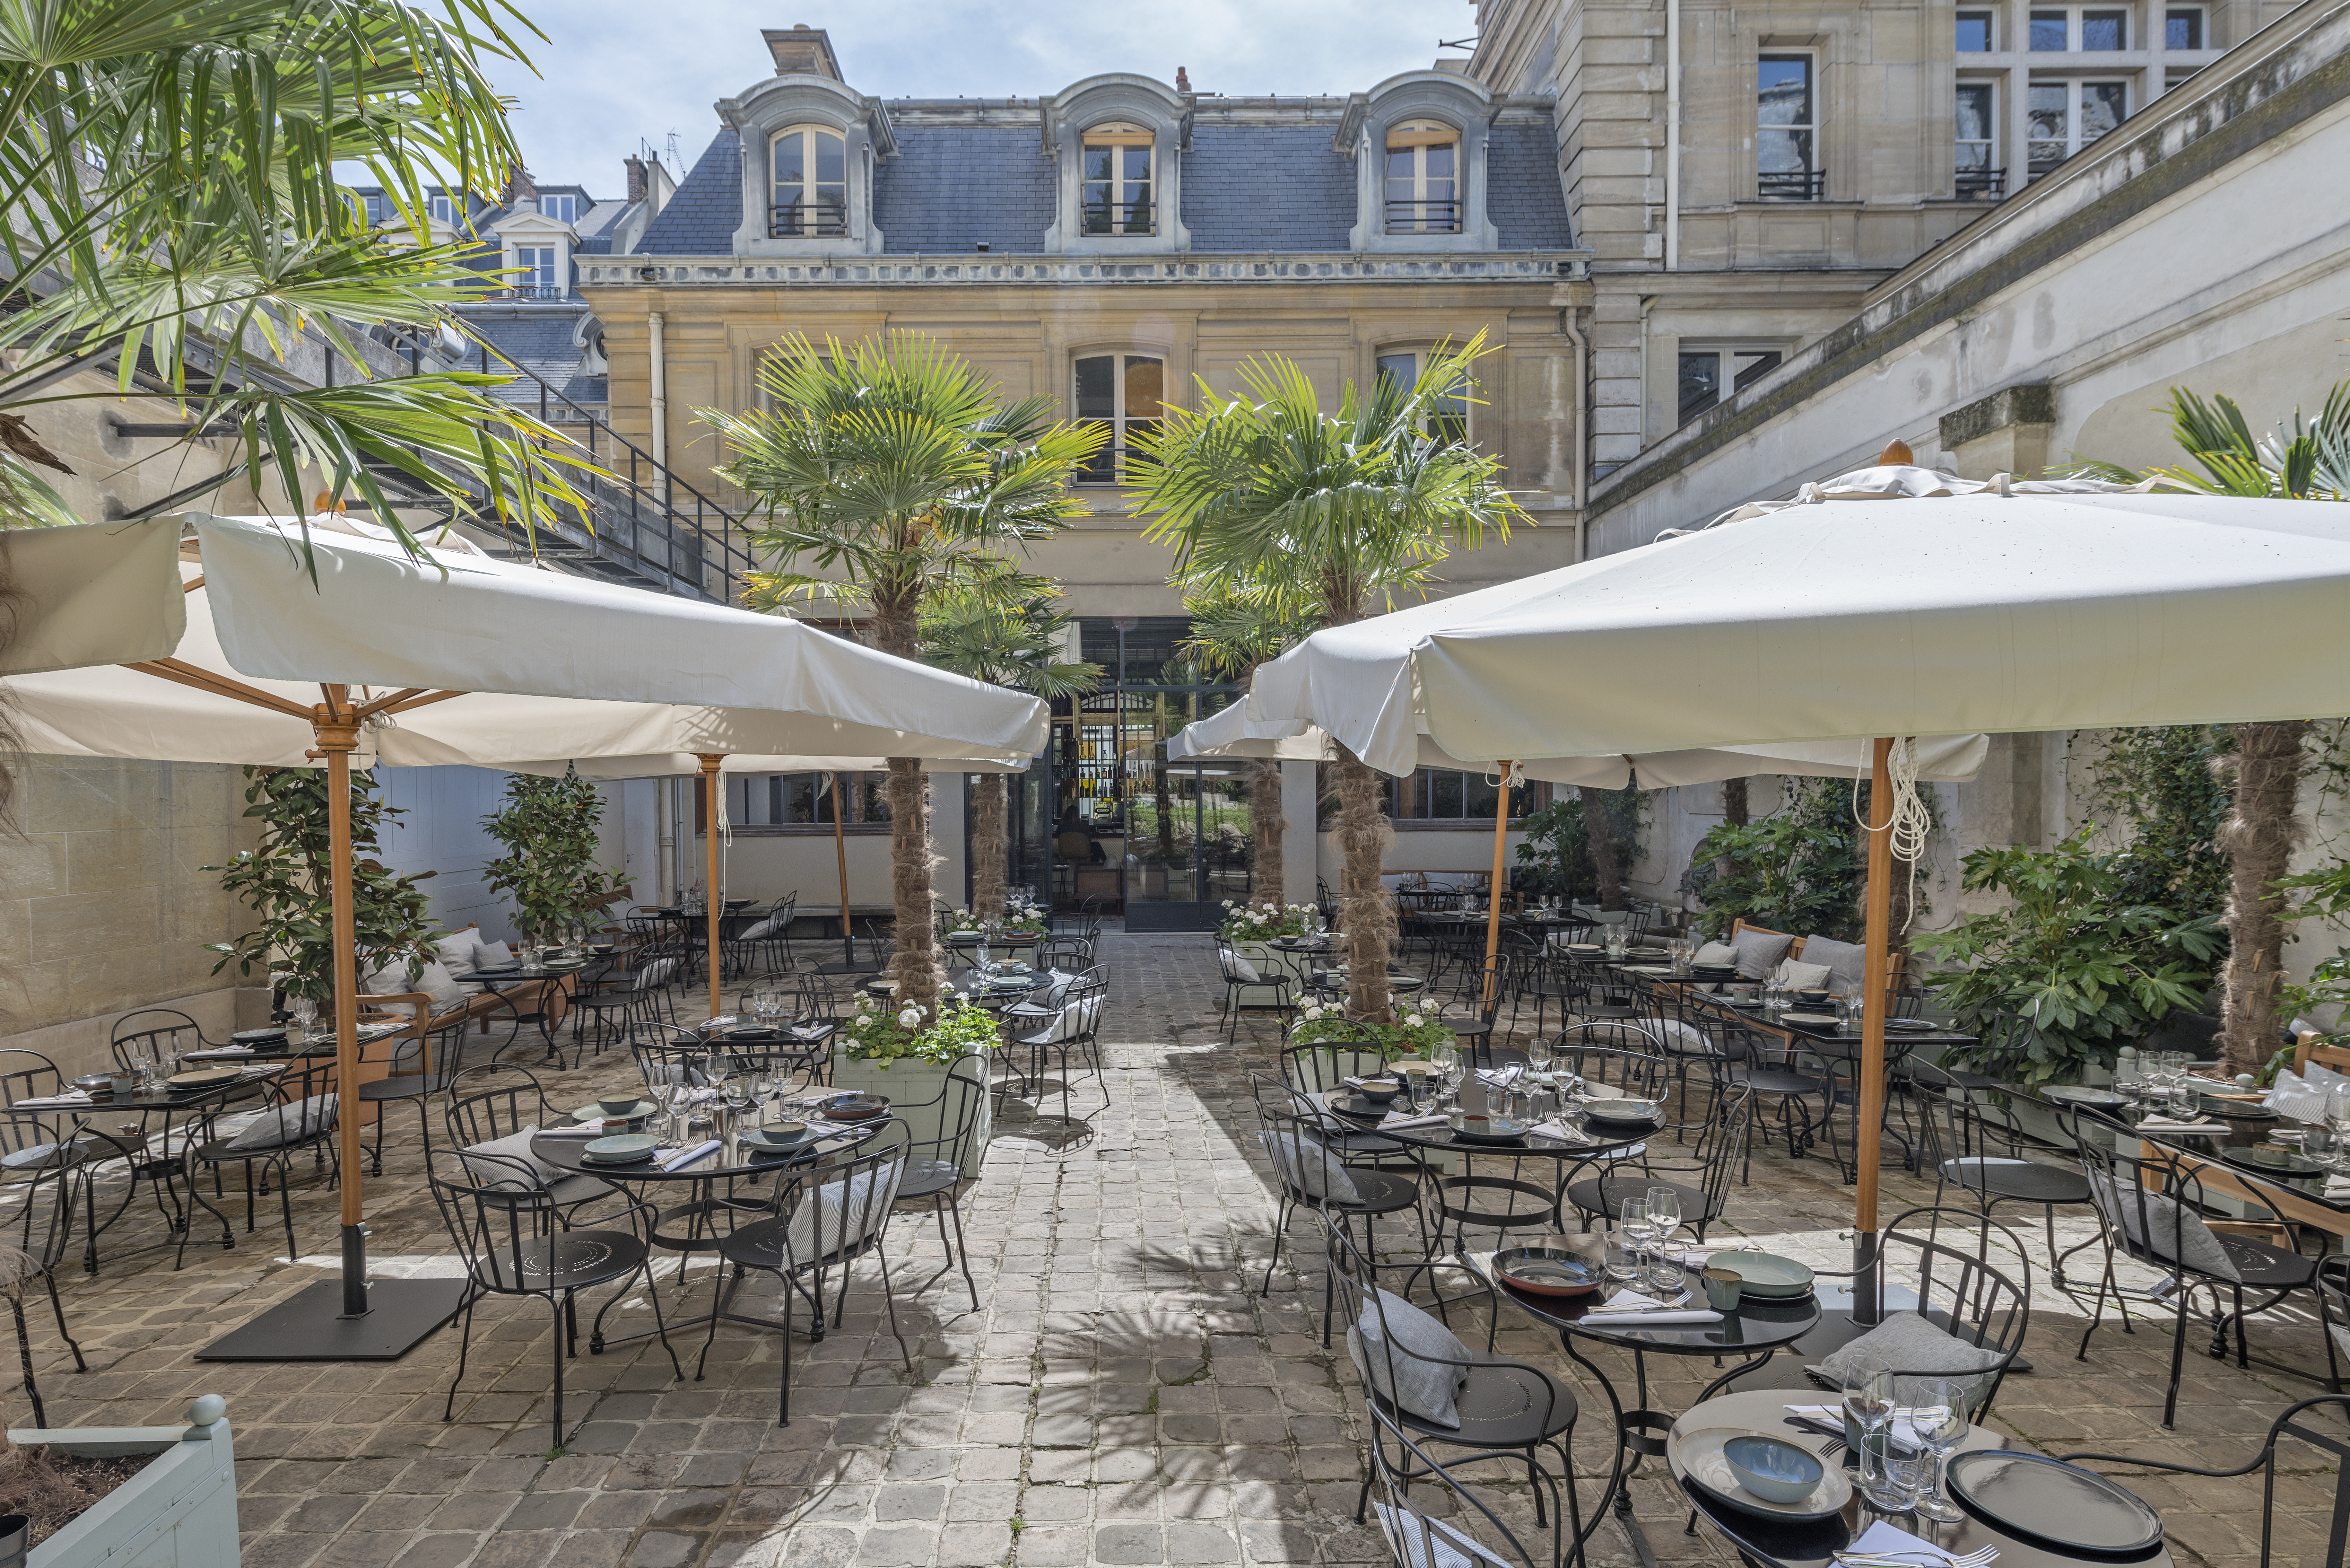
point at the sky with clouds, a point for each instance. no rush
(613, 75)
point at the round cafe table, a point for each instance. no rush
(1775, 1544)
(700, 1181)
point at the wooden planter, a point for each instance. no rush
(180, 1511)
(907, 1083)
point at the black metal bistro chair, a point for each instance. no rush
(1309, 1175)
(496, 1103)
(300, 1114)
(939, 1163)
(1981, 1149)
(1240, 976)
(1466, 1536)
(2300, 1422)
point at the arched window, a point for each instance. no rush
(1125, 394)
(1118, 161)
(1423, 178)
(1447, 412)
(811, 184)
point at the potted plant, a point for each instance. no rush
(1248, 927)
(549, 828)
(1417, 1030)
(906, 1052)
(179, 1509)
(1017, 920)
(2070, 971)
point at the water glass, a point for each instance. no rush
(1938, 1412)
(1664, 1206)
(2337, 1119)
(1632, 1219)
(1619, 1257)
(1662, 1270)
(303, 1010)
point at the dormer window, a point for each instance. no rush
(442, 209)
(810, 186)
(1120, 162)
(562, 209)
(1423, 178)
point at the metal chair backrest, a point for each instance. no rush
(28, 1075)
(494, 1206)
(847, 1199)
(1711, 1141)
(1066, 954)
(156, 1028)
(1957, 1124)
(1957, 1290)
(957, 1104)
(1623, 1055)
(2293, 1422)
(492, 1101)
(2152, 1204)
(1414, 1535)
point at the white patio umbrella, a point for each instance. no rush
(1234, 733)
(1926, 605)
(99, 593)
(349, 611)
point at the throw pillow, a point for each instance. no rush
(1847, 961)
(1797, 975)
(840, 1214)
(1309, 1167)
(1717, 952)
(429, 977)
(488, 953)
(512, 1157)
(1915, 1347)
(287, 1124)
(1759, 952)
(1392, 1342)
(1245, 971)
(765, 928)
(2178, 1234)
(456, 949)
(1686, 1039)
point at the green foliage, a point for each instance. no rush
(2080, 969)
(1801, 868)
(285, 884)
(2297, 461)
(1415, 1033)
(1554, 856)
(2156, 789)
(1017, 920)
(1263, 922)
(169, 172)
(958, 1029)
(996, 623)
(1237, 626)
(548, 827)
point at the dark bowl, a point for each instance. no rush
(1714, 971)
(1378, 1091)
(1813, 998)
(857, 1107)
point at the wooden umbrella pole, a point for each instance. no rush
(1877, 977)
(710, 784)
(1493, 893)
(840, 857)
(337, 727)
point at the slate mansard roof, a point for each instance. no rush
(1247, 187)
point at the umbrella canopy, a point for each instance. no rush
(1851, 619)
(105, 593)
(1941, 758)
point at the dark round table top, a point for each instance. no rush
(1601, 1138)
(1753, 1324)
(566, 1154)
(962, 983)
(1779, 1544)
(554, 970)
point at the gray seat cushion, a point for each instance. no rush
(1393, 1343)
(1307, 1165)
(1847, 961)
(1913, 1346)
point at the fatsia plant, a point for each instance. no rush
(883, 471)
(1235, 626)
(285, 881)
(174, 221)
(997, 624)
(549, 828)
(1357, 507)
(2294, 461)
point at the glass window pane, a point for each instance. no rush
(1401, 369)
(1782, 151)
(1443, 796)
(831, 158)
(1974, 112)
(2104, 30)
(1751, 365)
(2046, 115)
(1100, 162)
(1974, 32)
(2103, 105)
(1484, 793)
(791, 153)
(2050, 34)
(1784, 90)
(1146, 387)
(2183, 30)
(1700, 383)
(1097, 388)
(1440, 162)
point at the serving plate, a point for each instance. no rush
(1765, 1274)
(206, 1078)
(2059, 1507)
(2273, 1161)
(857, 1107)
(626, 1148)
(1498, 1129)
(1699, 1455)
(1620, 1110)
(1548, 1271)
(2081, 1094)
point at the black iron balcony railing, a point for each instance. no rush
(1423, 217)
(1791, 184)
(1982, 184)
(538, 291)
(1119, 218)
(808, 220)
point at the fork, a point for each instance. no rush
(1918, 1558)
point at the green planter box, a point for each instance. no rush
(907, 1083)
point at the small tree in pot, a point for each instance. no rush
(549, 827)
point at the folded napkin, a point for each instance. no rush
(699, 1152)
(1905, 1432)
(1501, 1077)
(2337, 1187)
(65, 1097)
(1400, 1119)
(1561, 1132)
(1632, 1307)
(1885, 1538)
(2165, 1124)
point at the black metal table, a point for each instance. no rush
(556, 972)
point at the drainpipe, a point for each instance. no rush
(659, 368)
(1582, 467)
(1647, 303)
(1672, 135)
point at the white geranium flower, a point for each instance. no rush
(909, 1018)
(1413, 1021)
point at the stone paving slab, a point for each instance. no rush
(1123, 1396)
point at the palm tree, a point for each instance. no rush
(1235, 626)
(2263, 825)
(890, 468)
(174, 221)
(997, 624)
(1355, 506)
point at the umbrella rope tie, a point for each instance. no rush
(1516, 775)
(1911, 822)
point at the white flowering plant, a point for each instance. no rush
(884, 1032)
(1017, 920)
(1263, 922)
(1415, 1030)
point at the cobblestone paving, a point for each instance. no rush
(1122, 1396)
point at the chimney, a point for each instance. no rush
(637, 184)
(519, 189)
(802, 51)
(1183, 79)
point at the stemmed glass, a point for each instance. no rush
(1937, 1412)
(1868, 1407)
(304, 1012)
(2337, 1121)
(1632, 1220)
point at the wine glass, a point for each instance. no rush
(1632, 1219)
(2337, 1121)
(1868, 1407)
(1938, 1412)
(1619, 1257)
(1664, 1206)
(304, 1012)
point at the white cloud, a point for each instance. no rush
(612, 75)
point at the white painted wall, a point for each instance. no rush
(442, 834)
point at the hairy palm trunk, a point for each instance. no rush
(1363, 909)
(2259, 837)
(1604, 863)
(916, 966)
(1734, 813)
(989, 849)
(1265, 824)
